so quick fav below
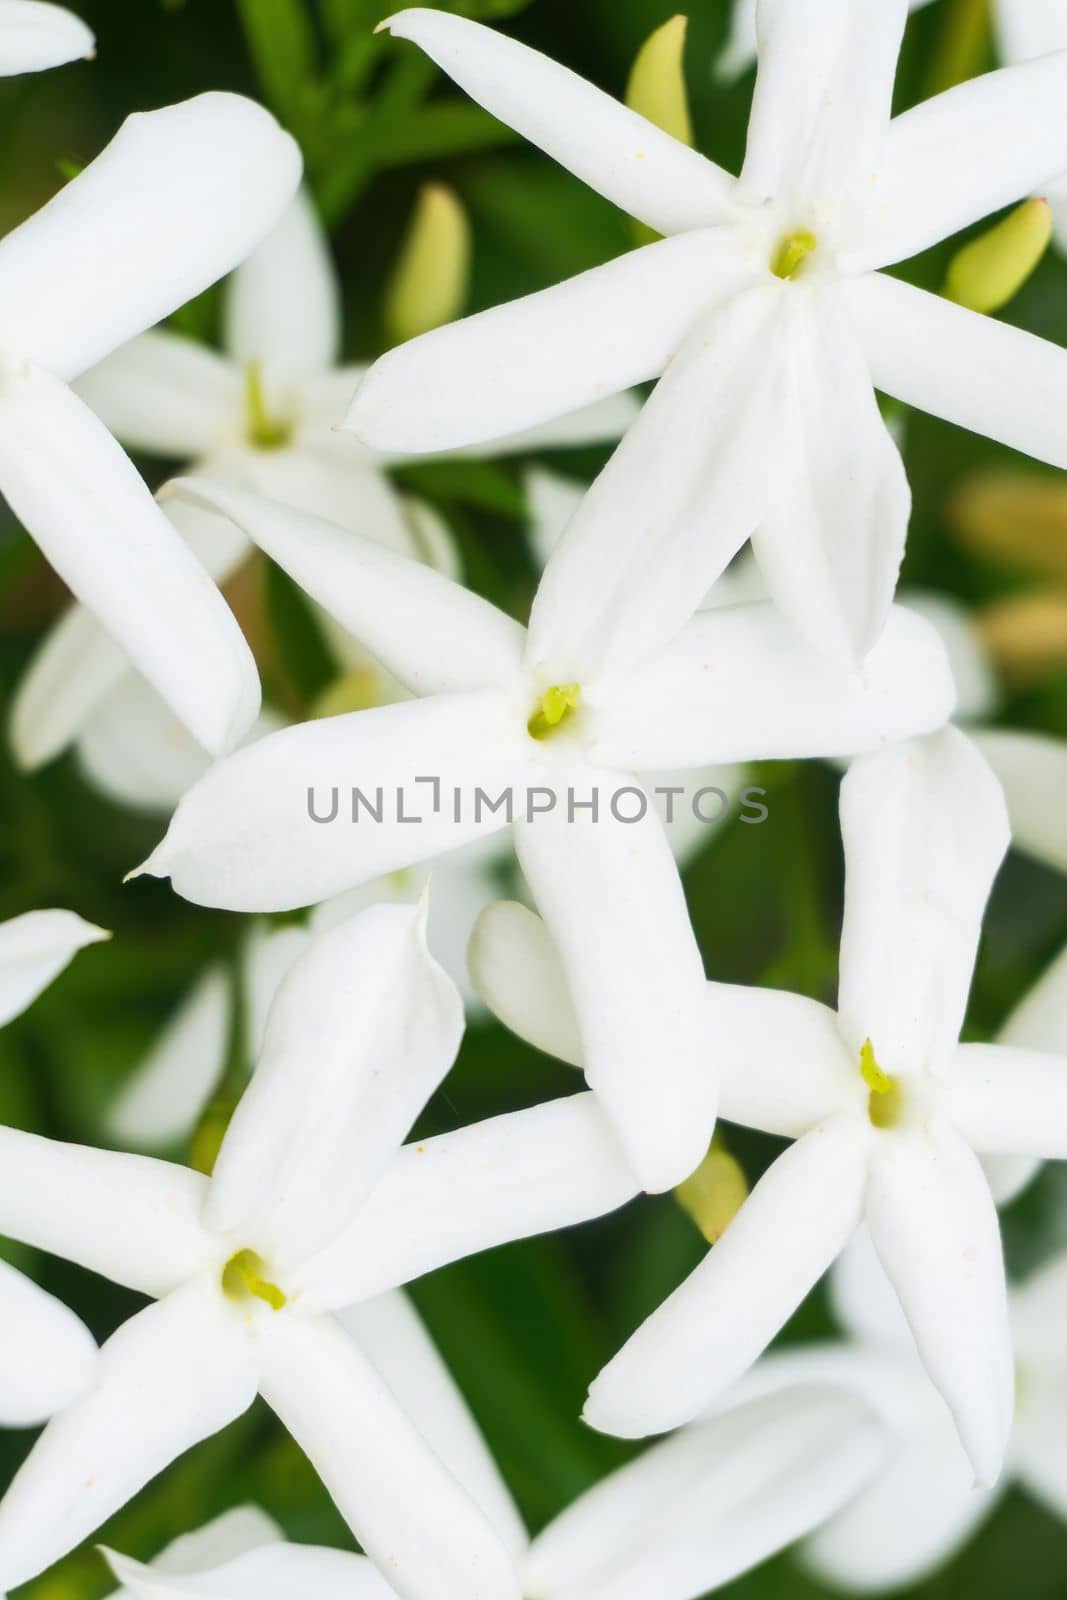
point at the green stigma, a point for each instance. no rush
(553, 708)
(791, 254)
(264, 431)
(885, 1102)
(243, 1275)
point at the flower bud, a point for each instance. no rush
(430, 280)
(989, 271)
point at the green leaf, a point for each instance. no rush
(281, 41)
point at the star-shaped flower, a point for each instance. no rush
(174, 202)
(690, 1515)
(35, 35)
(311, 1208)
(763, 309)
(889, 1113)
(554, 741)
(48, 1353)
(262, 414)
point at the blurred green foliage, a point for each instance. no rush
(526, 1327)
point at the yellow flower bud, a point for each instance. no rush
(989, 271)
(1026, 636)
(963, 45)
(657, 81)
(429, 283)
(715, 1192)
(1017, 517)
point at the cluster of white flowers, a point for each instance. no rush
(647, 671)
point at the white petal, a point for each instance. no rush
(934, 1227)
(832, 539)
(232, 1534)
(781, 1058)
(283, 304)
(1032, 768)
(132, 1219)
(35, 35)
(613, 900)
(971, 370)
(398, 608)
(361, 1032)
(448, 1197)
(710, 1503)
(1008, 1101)
(166, 395)
(171, 1376)
(166, 1091)
(623, 156)
(390, 1334)
(715, 694)
(70, 674)
(489, 376)
(552, 501)
(925, 830)
(917, 1512)
(821, 108)
(1038, 1307)
(866, 1305)
(1029, 28)
(274, 1572)
(1039, 1021)
(135, 752)
(335, 483)
(675, 503)
(178, 197)
(977, 692)
(517, 970)
(49, 1354)
(89, 510)
(287, 859)
(269, 955)
(601, 422)
(409, 1513)
(712, 1328)
(738, 53)
(34, 949)
(966, 153)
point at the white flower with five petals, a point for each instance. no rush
(533, 717)
(764, 309)
(261, 414)
(889, 1114)
(312, 1208)
(175, 201)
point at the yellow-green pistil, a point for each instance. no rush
(886, 1099)
(553, 708)
(243, 1275)
(792, 253)
(264, 431)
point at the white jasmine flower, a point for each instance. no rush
(35, 35)
(764, 309)
(177, 198)
(913, 1515)
(706, 1506)
(313, 1206)
(167, 1091)
(552, 732)
(49, 1354)
(260, 414)
(888, 1112)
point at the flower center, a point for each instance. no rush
(792, 252)
(885, 1103)
(553, 709)
(264, 431)
(242, 1276)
